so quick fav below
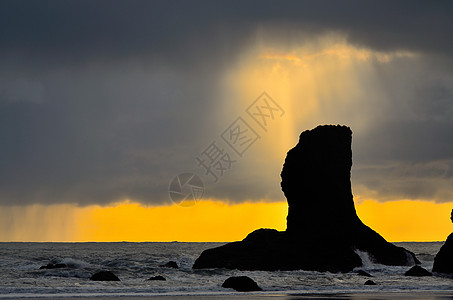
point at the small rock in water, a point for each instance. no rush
(363, 273)
(241, 284)
(170, 264)
(158, 277)
(370, 282)
(104, 276)
(53, 266)
(418, 271)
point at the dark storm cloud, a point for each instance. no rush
(408, 151)
(100, 136)
(181, 29)
(405, 160)
(106, 100)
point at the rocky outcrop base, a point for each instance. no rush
(443, 262)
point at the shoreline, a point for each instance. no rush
(23, 279)
(362, 295)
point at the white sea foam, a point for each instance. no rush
(367, 262)
(75, 263)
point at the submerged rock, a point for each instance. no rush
(363, 273)
(104, 276)
(241, 284)
(158, 277)
(323, 229)
(170, 264)
(370, 282)
(53, 266)
(417, 271)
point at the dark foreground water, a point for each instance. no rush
(133, 263)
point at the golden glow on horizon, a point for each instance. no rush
(407, 220)
(206, 221)
(314, 83)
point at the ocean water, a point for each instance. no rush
(133, 263)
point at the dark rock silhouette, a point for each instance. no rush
(417, 271)
(170, 264)
(363, 273)
(158, 277)
(370, 282)
(53, 266)
(443, 262)
(241, 284)
(323, 229)
(104, 276)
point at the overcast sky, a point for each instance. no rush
(102, 101)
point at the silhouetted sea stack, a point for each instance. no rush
(323, 230)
